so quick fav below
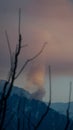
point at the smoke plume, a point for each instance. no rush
(35, 79)
(39, 94)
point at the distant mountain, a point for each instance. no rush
(23, 113)
(15, 90)
(62, 107)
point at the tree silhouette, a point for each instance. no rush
(13, 71)
(49, 103)
(68, 108)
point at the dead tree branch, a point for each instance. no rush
(23, 46)
(9, 47)
(48, 107)
(50, 91)
(13, 74)
(5, 97)
(67, 112)
(30, 59)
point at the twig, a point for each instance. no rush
(67, 112)
(49, 85)
(9, 47)
(30, 59)
(24, 46)
(13, 69)
(15, 62)
(48, 107)
(19, 21)
(5, 97)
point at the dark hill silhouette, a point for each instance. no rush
(23, 113)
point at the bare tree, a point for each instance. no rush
(13, 71)
(68, 109)
(49, 103)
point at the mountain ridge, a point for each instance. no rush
(25, 113)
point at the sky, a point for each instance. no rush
(42, 21)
